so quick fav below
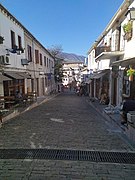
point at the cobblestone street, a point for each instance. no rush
(64, 122)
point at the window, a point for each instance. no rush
(46, 82)
(29, 52)
(11, 86)
(36, 56)
(49, 63)
(19, 42)
(40, 59)
(13, 44)
(45, 60)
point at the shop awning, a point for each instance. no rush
(16, 75)
(25, 75)
(4, 78)
(109, 55)
(124, 62)
(99, 75)
(89, 81)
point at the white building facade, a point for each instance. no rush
(72, 73)
(114, 53)
(40, 66)
(25, 64)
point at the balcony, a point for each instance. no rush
(111, 50)
(105, 52)
(101, 49)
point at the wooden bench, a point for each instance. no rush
(6, 101)
(7, 97)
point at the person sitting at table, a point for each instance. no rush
(128, 105)
(18, 97)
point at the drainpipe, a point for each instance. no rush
(34, 85)
(110, 87)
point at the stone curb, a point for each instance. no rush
(120, 127)
(107, 117)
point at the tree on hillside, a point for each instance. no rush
(58, 70)
(55, 50)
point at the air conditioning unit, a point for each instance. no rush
(4, 60)
(24, 61)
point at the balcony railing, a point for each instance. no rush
(101, 49)
(114, 45)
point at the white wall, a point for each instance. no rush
(129, 45)
(92, 65)
(35, 69)
(6, 25)
(104, 64)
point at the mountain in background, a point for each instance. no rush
(70, 57)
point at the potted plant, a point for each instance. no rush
(131, 73)
(127, 28)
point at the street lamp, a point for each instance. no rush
(131, 12)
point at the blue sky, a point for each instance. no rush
(73, 24)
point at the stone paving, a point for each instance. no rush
(59, 170)
(64, 122)
(115, 119)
